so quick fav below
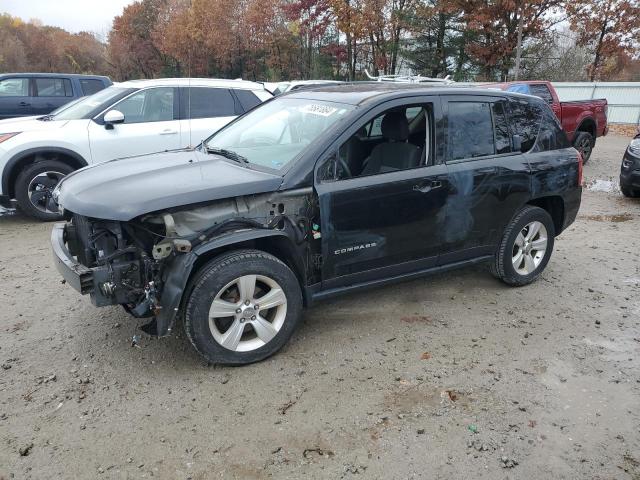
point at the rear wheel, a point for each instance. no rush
(526, 247)
(34, 186)
(243, 307)
(584, 143)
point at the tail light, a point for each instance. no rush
(580, 163)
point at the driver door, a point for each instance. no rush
(382, 224)
(150, 125)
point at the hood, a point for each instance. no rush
(29, 124)
(127, 188)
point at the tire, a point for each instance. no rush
(629, 192)
(506, 265)
(221, 280)
(44, 175)
(584, 143)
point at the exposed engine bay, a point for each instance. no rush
(144, 264)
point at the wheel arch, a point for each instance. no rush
(26, 157)
(184, 272)
(588, 125)
(554, 206)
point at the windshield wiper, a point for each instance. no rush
(230, 154)
(46, 118)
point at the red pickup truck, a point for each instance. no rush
(583, 120)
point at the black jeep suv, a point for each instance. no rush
(313, 194)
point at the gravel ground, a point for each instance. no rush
(453, 376)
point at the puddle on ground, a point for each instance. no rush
(417, 397)
(621, 217)
(598, 185)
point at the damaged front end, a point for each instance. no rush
(145, 264)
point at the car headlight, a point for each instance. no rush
(7, 136)
(634, 146)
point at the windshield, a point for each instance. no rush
(93, 104)
(275, 133)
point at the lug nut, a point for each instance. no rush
(247, 302)
(256, 307)
(238, 310)
(253, 318)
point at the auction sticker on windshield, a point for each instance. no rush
(316, 109)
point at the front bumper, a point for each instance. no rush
(630, 170)
(74, 273)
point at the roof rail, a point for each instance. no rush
(408, 78)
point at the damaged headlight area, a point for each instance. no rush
(143, 264)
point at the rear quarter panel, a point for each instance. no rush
(554, 173)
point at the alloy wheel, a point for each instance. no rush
(247, 313)
(40, 189)
(529, 248)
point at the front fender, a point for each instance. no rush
(181, 270)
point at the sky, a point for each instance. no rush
(72, 15)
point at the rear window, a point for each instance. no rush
(542, 91)
(91, 86)
(470, 130)
(524, 118)
(551, 135)
(247, 99)
(203, 102)
(53, 87)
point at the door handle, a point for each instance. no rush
(168, 131)
(24, 104)
(426, 187)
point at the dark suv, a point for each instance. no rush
(314, 194)
(25, 94)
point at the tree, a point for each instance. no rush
(610, 28)
(494, 24)
(131, 49)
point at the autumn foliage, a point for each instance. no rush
(297, 39)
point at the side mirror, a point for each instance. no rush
(113, 117)
(516, 143)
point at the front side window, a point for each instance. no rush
(89, 106)
(14, 87)
(150, 105)
(53, 87)
(405, 141)
(274, 133)
(469, 130)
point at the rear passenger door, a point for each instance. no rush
(489, 180)
(15, 97)
(50, 93)
(204, 111)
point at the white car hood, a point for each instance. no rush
(29, 124)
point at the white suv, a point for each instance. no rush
(127, 119)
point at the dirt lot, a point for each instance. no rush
(454, 376)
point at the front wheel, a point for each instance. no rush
(243, 307)
(525, 248)
(629, 192)
(34, 186)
